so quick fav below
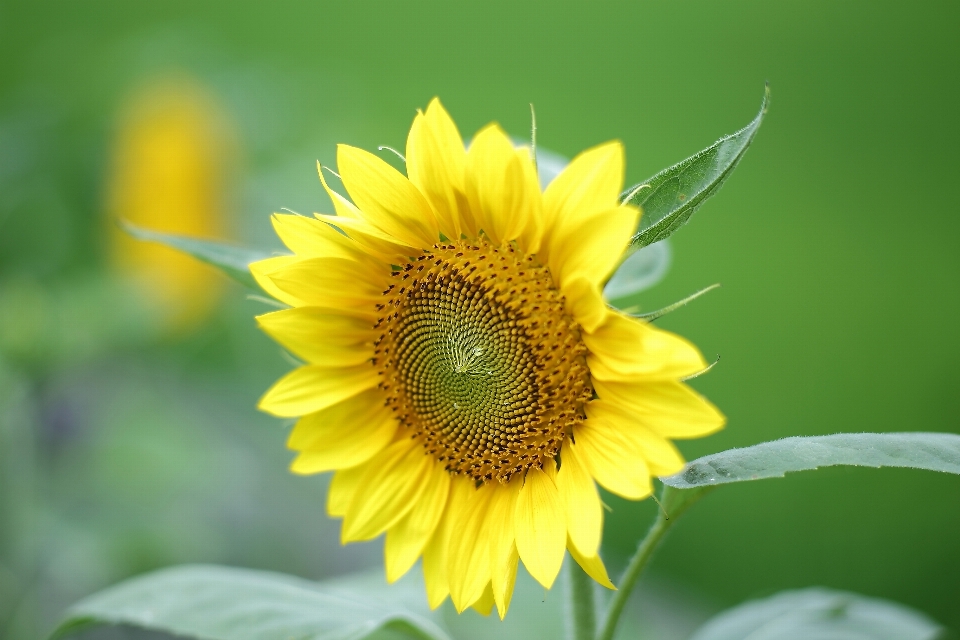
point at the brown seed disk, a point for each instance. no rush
(479, 359)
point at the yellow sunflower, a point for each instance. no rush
(466, 381)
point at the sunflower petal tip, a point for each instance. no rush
(613, 146)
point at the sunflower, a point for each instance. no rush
(465, 380)
(169, 172)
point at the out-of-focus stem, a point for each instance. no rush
(581, 603)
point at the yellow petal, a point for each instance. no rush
(541, 527)
(350, 220)
(342, 488)
(581, 502)
(592, 247)
(613, 460)
(311, 238)
(436, 161)
(502, 199)
(503, 581)
(391, 486)
(502, 535)
(468, 561)
(407, 538)
(585, 303)
(671, 409)
(592, 566)
(589, 184)
(625, 348)
(343, 207)
(261, 271)
(314, 388)
(435, 574)
(387, 199)
(325, 282)
(503, 506)
(322, 336)
(376, 243)
(344, 435)
(435, 567)
(484, 605)
(663, 458)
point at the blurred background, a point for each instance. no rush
(129, 439)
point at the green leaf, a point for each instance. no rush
(819, 614)
(640, 271)
(669, 198)
(653, 315)
(221, 603)
(233, 261)
(930, 451)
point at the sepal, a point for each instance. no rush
(677, 192)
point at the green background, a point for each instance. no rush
(837, 242)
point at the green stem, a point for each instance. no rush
(673, 502)
(581, 603)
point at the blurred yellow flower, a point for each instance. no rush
(168, 173)
(465, 378)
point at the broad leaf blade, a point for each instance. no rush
(221, 603)
(819, 614)
(674, 194)
(233, 261)
(930, 451)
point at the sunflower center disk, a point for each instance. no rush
(479, 359)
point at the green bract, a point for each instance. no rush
(669, 198)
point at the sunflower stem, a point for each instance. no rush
(582, 604)
(673, 503)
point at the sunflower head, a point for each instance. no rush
(465, 379)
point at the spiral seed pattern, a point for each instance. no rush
(479, 359)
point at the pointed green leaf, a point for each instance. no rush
(820, 614)
(233, 261)
(669, 198)
(221, 603)
(930, 451)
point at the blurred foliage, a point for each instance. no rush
(124, 447)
